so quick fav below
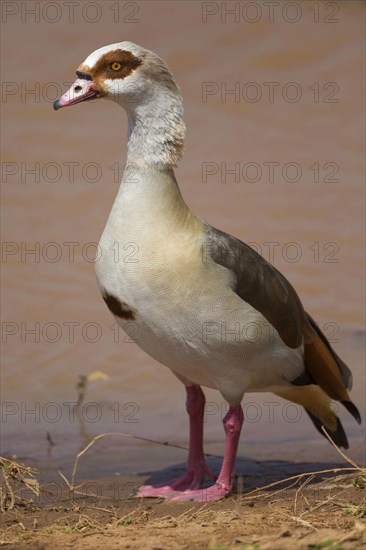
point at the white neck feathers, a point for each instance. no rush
(156, 128)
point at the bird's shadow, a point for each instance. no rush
(252, 474)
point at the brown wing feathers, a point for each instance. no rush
(324, 371)
(323, 366)
(325, 377)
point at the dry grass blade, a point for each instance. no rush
(118, 521)
(311, 510)
(71, 484)
(297, 477)
(346, 458)
(16, 474)
(7, 496)
(302, 486)
(120, 434)
(303, 522)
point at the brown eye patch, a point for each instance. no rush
(106, 66)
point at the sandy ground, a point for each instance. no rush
(305, 511)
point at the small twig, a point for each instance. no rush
(50, 440)
(99, 508)
(74, 489)
(298, 520)
(271, 495)
(310, 478)
(329, 499)
(298, 476)
(346, 458)
(187, 511)
(303, 522)
(8, 495)
(81, 389)
(64, 478)
(120, 434)
(118, 520)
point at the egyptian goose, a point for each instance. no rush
(190, 279)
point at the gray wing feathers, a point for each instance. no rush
(260, 284)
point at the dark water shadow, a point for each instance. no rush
(255, 474)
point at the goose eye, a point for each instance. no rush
(116, 66)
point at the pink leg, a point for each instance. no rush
(196, 465)
(233, 422)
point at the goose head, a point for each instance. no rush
(123, 72)
(141, 82)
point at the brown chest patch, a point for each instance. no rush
(119, 308)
